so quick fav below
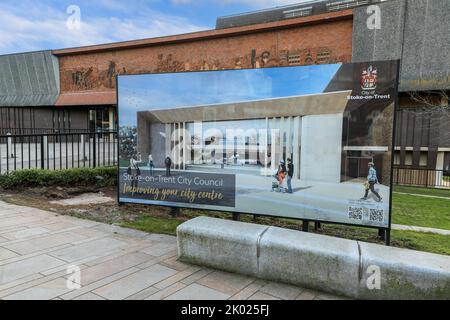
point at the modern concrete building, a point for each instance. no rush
(254, 136)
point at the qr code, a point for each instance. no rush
(355, 213)
(376, 215)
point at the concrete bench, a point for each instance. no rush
(329, 264)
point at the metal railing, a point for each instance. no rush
(421, 177)
(54, 151)
(32, 131)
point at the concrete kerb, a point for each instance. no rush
(329, 264)
(220, 244)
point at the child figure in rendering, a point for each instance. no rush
(372, 179)
(281, 175)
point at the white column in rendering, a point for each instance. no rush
(180, 159)
(266, 146)
(296, 146)
(274, 134)
(185, 145)
(198, 147)
(282, 132)
(288, 137)
(168, 139)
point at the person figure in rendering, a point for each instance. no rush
(372, 180)
(281, 174)
(168, 163)
(151, 165)
(290, 174)
(134, 171)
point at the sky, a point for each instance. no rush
(175, 90)
(30, 25)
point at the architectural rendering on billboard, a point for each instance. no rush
(312, 142)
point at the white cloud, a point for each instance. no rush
(31, 26)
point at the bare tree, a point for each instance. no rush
(431, 101)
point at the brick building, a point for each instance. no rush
(81, 94)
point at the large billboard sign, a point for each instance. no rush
(310, 142)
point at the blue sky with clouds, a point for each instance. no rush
(29, 25)
(172, 90)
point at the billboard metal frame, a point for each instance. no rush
(384, 232)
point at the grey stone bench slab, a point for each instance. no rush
(329, 264)
(222, 244)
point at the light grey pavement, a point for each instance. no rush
(421, 229)
(423, 195)
(37, 247)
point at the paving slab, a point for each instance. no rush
(37, 246)
(42, 243)
(25, 233)
(198, 292)
(262, 296)
(282, 291)
(225, 282)
(100, 247)
(26, 267)
(89, 296)
(111, 267)
(6, 254)
(45, 291)
(134, 283)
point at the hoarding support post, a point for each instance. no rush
(94, 151)
(236, 216)
(42, 153)
(305, 226)
(317, 225)
(175, 212)
(382, 234)
(388, 237)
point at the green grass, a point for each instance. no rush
(421, 211)
(154, 225)
(429, 242)
(423, 191)
(420, 241)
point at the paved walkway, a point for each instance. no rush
(37, 247)
(421, 229)
(423, 195)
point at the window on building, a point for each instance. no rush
(301, 12)
(345, 4)
(408, 158)
(423, 159)
(396, 158)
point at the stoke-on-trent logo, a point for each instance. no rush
(369, 79)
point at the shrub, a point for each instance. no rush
(99, 177)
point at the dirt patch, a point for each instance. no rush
(68, 201)
(84, 199)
